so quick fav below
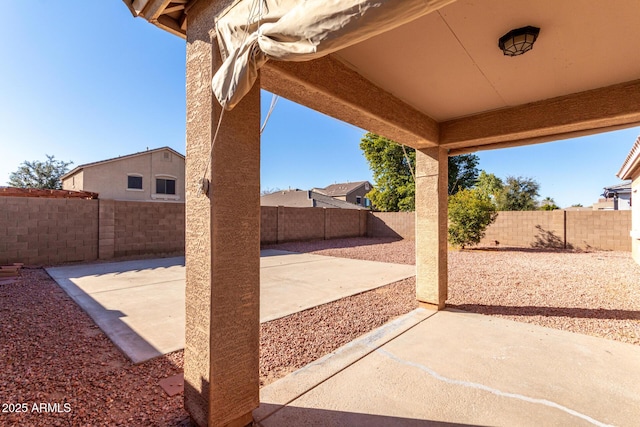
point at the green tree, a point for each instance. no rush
(470, 213)
(267, 191)
(394, 188)
(548, 204)
(518, 194)
(393, 173)
(463, 172)
(489, 185)
(37, 174)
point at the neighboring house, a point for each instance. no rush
(152, 175)
(616, 197)
(631, 170)
(305, 199)
(352, 192)
(579, 208)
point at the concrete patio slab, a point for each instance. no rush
(140, 304)
(292, 282)
(454, 368)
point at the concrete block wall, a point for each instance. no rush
(603, 230)
(268, 224)
(106, 229)
(48, 231)
(53, 231)
(341, 223)
(300, 224)
(401, 225)
(542, 229)
(582, 230)
(608, 230)
(286, 224)
(148, 228)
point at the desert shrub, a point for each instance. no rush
(470, 213)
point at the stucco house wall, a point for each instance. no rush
(75, 182)
(348, 191)
(631, 170)
(358, 192)
(109, 178)
(635, 219)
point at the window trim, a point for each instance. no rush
(157, 195)
(137, 175)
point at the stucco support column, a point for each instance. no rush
(431, 227)
(221, 356)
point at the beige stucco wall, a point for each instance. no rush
(635, 219)
(74, 182)
(109, 179)
(353, 196)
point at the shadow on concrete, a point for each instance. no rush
(127, 340)
(108, 301)
(582, 313)
(121, 267)
(267, 253)
(297, 416)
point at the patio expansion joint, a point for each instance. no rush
(315, 261)
(369, 343)
(482, 387)
(134, 287)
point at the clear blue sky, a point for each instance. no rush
(85, 81)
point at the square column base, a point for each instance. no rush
(429, 306)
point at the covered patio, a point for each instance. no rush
(426, 73)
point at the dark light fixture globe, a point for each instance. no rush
(518, 41)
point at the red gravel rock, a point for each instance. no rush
(52, 352)
(593, 293)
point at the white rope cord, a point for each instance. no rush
(406, 156)
(274, 101)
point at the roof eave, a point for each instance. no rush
(358, 186)
(72, 172)
(157, 13)
(113, 159)
(631, 165)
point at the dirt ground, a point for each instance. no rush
(52, 353)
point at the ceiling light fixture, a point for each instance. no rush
(518, 41)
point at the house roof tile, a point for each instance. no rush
(341, 189)
(301, 198)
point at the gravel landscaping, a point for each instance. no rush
(52, 352)
(594, 293)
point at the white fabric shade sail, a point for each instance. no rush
(254, 31)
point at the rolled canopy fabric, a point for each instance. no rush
(254, 31)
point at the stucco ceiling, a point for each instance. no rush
(442, 80)
(448, 64)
